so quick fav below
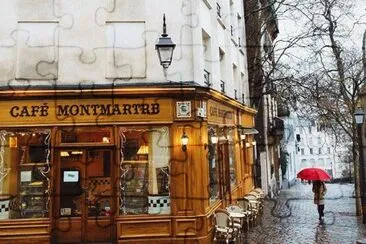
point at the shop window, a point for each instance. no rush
(145, 178)
(24, 174)
(213, 165)
(221, 159)
(231, 150)
(86, 135)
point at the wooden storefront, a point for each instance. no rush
(80, 166)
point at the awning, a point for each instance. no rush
(249, 131)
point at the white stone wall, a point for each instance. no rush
(113, 41)
(324, 149)
(288, 144)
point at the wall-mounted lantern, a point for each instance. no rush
(214, 139)
(184, 141)
(242, 137)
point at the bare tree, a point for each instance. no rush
(322, 70)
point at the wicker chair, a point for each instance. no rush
(253, 195)
(224, 229)
(238, 222)
(255, 206)
(259, 191)
(248, 211)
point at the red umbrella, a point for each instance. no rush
(313, 174)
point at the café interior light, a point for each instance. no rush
(144, 149)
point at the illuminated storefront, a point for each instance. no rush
(82, 167)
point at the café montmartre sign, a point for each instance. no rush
(85, 110)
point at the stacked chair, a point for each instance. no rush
(251, 213)
(236, 219)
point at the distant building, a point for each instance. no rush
(261, 31)
(317, 148)
(288, 150)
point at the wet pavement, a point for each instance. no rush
(292, 218)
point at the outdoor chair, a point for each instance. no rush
(253, 195)
(255, 205)
(250, 214)
(259, 191)
(224, 230)
(238, 221)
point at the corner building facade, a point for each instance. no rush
(92, 137)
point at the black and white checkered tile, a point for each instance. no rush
(4, 209)
(159, 205)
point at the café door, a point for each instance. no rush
(224, 169)
(85, 205)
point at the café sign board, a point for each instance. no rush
(220, 114)
(68, 111)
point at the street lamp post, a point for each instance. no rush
(359, 118)
(165, 48)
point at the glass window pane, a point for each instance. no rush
(232, 162)
(86, 135)
(99, 192)
(24, 181)
(213, 167)
(145, 157)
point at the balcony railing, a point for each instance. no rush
(206, 78)
(218, 10)
(222, 85)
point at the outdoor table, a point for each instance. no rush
(236, 215)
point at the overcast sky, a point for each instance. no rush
(292, 23)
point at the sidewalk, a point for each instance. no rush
(293, 218)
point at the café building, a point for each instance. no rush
(128, 165)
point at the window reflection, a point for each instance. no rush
(24, 178)
(221, 160)
(213, 167)
(86, 135)
(145, 177)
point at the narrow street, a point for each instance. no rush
(293, 218)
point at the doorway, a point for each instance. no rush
(224, 168)
(84, 203)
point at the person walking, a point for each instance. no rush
(319, 190)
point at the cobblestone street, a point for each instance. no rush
(293, 218)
